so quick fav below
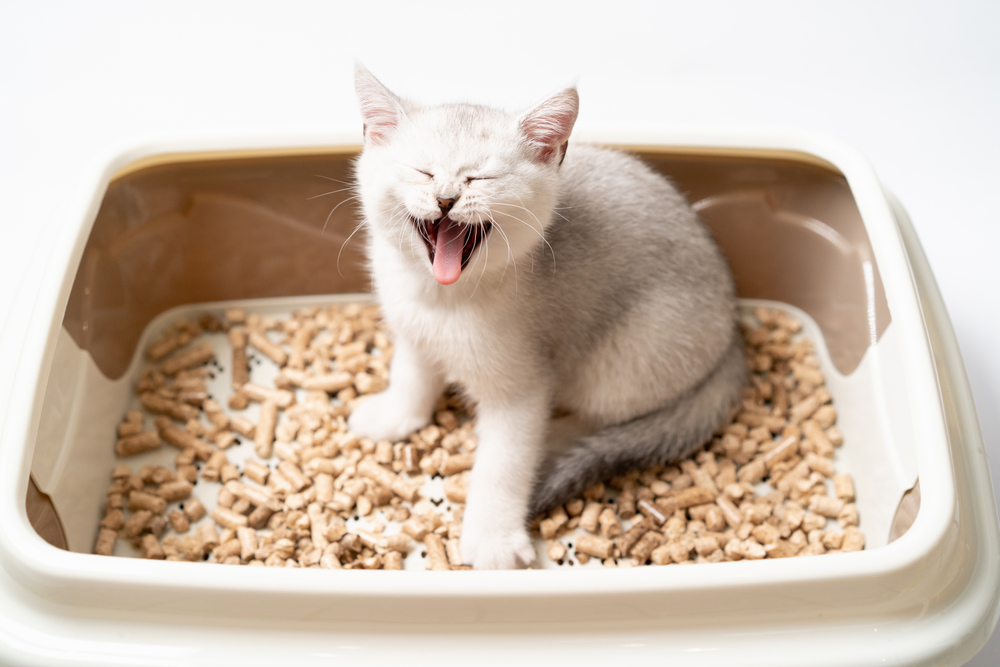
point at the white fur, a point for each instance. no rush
(468, 331)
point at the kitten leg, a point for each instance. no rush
(511, 437)
(407, 405)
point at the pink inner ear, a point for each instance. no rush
(379, 108)
(380, 118)
(547, 127)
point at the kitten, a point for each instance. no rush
(538, 276)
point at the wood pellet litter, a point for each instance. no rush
(305, 492)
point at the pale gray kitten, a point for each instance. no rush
(538, 277)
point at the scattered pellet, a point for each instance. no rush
(392, 561)
(183, 439)
(437, 558)
(138, 443)
(589, 516)
(369, 468)
(228, 518)
(643, 549)
(608, 521)
(628, 540)
(844, 487)
(457, 463)
(331, 383)
(196, 356)
(160, 405)
(825, 506)
(825, 416)
(594, 545)
(854, 539)
(264, 431)
(696, 495)
(179, 522)
(256, 471)
(114, 519)
(172, 491)
(575, 507)
(140, 500)
(280, 397)
(212, 469)
(247, 538)
(272, 351)
(654, 512)
(194, 509)
(365, 383)
(261, 514)
(849, 515)
(456, 487)
(151, 547)
(243, 426)
(106, 542)
(453, 551)
(136, 523)
(240, 364)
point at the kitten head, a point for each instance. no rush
(460, 190)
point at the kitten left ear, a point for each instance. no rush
(380, 108)
(548, 125)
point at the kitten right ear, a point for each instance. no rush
(380, 108)
(548, 125)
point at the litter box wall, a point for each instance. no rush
(239, 228)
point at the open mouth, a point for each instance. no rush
(450, 245)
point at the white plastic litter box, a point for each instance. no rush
(803, 220)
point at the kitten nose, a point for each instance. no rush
(445, 205)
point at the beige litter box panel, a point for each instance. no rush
(218, 228)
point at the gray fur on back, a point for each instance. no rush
(634, 295)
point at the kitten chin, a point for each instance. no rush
(538, 274)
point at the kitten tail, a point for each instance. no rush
(659, 437)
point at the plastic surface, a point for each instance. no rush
(928, 598)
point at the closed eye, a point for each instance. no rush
(421, 171)
(469, 179)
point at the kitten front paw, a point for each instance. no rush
(384, 417)
(497, 549)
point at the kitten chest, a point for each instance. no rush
(485, 348)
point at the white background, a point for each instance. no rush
(916, 86)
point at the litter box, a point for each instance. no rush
(803, 221)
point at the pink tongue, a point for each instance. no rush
(448, 252)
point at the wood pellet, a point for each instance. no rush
(766, 486)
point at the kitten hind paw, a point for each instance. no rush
(383, 417)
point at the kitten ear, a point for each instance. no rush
(547, 126)
(380, 108)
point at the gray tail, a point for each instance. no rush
(661, 436)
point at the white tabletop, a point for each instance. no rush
(915, 86)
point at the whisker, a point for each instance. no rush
(510, 257)
(344, 244)
(532, 228)
(364, 221)
(333, 179)
(486, 252)
(331, 192)
(334, 209)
